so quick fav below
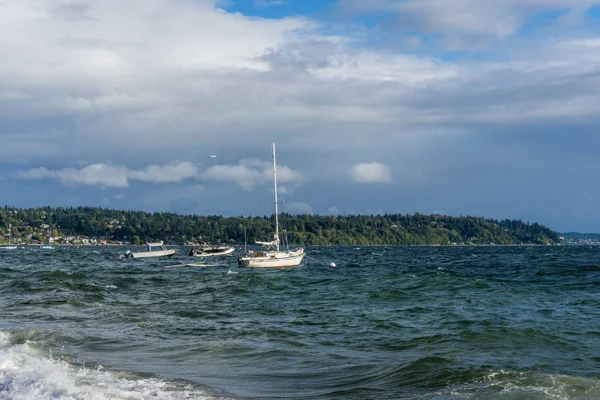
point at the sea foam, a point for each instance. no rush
(27, 372)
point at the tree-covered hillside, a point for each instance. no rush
(64, 224)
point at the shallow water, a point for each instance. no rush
(385, 323)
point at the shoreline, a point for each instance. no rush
(324, 245)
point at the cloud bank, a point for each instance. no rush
(448, 95)
(247, 174)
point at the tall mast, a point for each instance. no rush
(276, 204)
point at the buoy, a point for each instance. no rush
(332, 264)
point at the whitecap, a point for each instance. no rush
(28, 373)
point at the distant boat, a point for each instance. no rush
(272, 256)
(152, 250)
(207, 250)
(48, 246)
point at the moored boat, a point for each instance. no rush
(157, 249)
(211, 250)
(272, 256)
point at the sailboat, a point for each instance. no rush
(272, 256)
(48, 246)
(9, 247)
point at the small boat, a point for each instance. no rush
(48, 246)
(152, 250)
(272, 256)
(207, 250)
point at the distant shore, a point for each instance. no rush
(309, 245)
(96, 225)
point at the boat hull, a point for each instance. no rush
(272, 260)
(153, 254)
(214, 253)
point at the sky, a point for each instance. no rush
(456, 107)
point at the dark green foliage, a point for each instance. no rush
(388, 229)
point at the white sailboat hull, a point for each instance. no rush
(152, 254)
(273, 259)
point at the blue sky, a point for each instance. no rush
(281, 8)
(458, 107)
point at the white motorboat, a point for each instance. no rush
(152, 250)
(272, 256)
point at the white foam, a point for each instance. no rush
(501, 384)
(28, 373)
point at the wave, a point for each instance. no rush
(28, 372)
(494, 384)
(434, 378)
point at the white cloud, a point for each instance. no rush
(166, 174)
(162, 77)
(249, 172)
(111, 39)
(369, 66)
(113, 176)
(92, 175)
(374, 172)
(148, 82)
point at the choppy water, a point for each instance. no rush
(386, 323)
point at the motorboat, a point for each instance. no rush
(157, 249)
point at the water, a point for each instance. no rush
(385, 323)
